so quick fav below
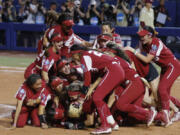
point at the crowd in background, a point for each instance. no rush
(98, 11)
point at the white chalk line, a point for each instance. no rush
(18, 68)
(6, 114)
(16, 71)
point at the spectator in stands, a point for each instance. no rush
(69, 5)
(79, 14)
(122, 11)
(23, 1)
(41, 11)
(63, 7)
(22, 14)
(31, 9)
(1, 11)
(9, 11)
(147, 15)
(108, 13)
(93, 15)
(53, 6)
(161, 14)
(135, 13)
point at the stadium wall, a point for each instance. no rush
(13, 36)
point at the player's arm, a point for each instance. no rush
(18, 109)
(41, 116)
(45, 76)
(92, 87)
(87, 44)
(56, 101)
(44, 98)
(80, 41)
(146, 59)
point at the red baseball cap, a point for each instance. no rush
(149, 1)
(68, 22)
(57, 38)
(104, 37)
(142, 33)
(56, 82)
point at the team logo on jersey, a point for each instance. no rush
(83, 67)
(21, 93)
(47, 62)
(154, 48)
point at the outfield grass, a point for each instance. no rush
(15, 62)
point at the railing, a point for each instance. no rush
(24, 37)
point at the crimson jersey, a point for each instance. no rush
(25, 93)
(49, 61)
(93, 60)
(130, 73)
(163, 56)
(141, 67)
(69, 39)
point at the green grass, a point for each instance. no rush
(15, 62)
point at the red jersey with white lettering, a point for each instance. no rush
(69, 39)
(130, 73)
(93, 60)
(141, 67)
(25, 93)
(50, 60)
(163, 56)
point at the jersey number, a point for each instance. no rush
(95, 53)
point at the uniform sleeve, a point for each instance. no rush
(77, 39)
(47, 63)
(95, 44)
(49, 33)
(156, 48)
(86, 65)
(45, 96)
(21, 94)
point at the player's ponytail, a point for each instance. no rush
(118, 51)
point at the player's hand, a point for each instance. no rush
(31, 102)
(129, 49)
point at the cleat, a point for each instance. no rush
(151, 117)
(115, 126)
(102, 130)
(165, 118)
(176, 117)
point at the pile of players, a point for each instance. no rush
(76, 84)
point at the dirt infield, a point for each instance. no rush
(12, 78)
